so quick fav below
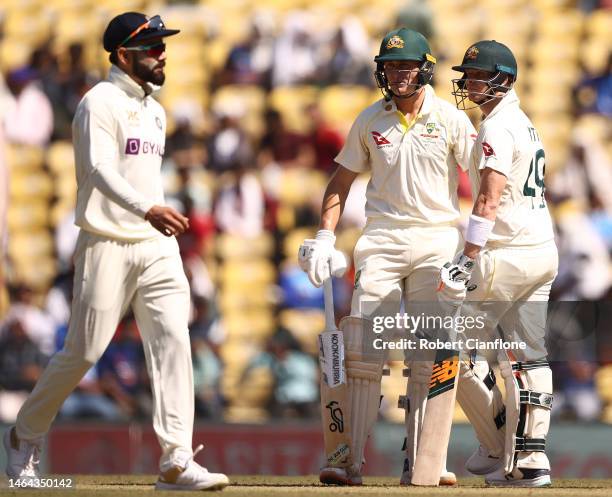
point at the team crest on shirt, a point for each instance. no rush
(432, 131)
(158, 122)
(487, 150)
(380, 140)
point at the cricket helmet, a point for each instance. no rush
(399, 45)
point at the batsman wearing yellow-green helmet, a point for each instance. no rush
(409, 143)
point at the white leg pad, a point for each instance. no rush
(416, 398)
(528, 403)
(364, 374)
(482, 402)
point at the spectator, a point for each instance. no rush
(295, 373)
(207, 371)
(349, 61)
(295, 53)
(282, 147)
(229, 145)
(122, 371)
(594, 93)
(240, 206)
(21, 363)
(250, 62)
(28, 117)
(38, 325)
(588, 172)
(325, 139)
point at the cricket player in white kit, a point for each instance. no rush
(410, 142)
(126, 256)
(508, 265)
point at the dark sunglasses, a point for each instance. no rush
(150, 50)
(154, 23)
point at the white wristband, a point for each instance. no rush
(478, 231)
(327, 235)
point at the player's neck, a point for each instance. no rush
(488, 107)
(410, 107)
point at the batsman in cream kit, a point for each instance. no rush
(507, 266)
(410, 142)
(126, 256)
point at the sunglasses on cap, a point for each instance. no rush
(150, 50)
(154, 23)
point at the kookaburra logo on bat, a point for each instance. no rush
(337, 416)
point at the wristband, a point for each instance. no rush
(478, 231)
(326, 235)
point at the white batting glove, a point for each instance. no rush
(318, 258)
(454, 277)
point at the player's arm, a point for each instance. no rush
(95, 127)
(318, 257)
(335, 197)
(484, 212)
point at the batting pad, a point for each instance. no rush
(482, 402)
(364, 374)
(528, 404)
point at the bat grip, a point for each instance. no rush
(328, 295)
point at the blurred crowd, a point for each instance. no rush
(248, 167)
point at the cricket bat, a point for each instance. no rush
(335, 406)
(439, 409)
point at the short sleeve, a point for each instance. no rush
(464, 136)
(495, 150)
(355, 155)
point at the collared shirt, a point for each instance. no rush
(414, 176)
(119, 134)
(508, 143)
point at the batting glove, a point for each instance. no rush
(318, 258)
(454, 277)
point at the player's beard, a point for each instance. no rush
(148, 74)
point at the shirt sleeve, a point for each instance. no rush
(496, 150)
(96, 129)
(355, 155)
(464, 136)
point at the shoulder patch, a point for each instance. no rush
(487, 150)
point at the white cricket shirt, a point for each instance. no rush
(119, 135)
(509, 143)
(414, 177)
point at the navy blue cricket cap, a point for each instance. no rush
(134, 26)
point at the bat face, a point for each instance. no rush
(444, 373)
(439, 410)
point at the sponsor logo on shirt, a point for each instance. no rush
(380, 140)
(134, 146)
(487, 150)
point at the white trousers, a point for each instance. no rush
(392, 260)
(110, 276)
(510, 288)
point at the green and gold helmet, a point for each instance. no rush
(494, 58)
(404, 44)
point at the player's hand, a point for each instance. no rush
(167, 220)
(454, 277)
(318, 258)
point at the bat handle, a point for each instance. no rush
(328, 295)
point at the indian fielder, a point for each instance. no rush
(126, 255)
(410, 141)
(508, 264)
